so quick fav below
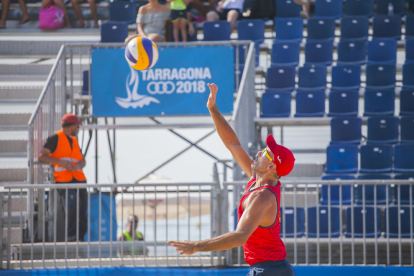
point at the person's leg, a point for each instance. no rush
(212, 16)
(5, 6)
(232, 17)
(76, 8)
(72, 214)
(92, 4)
(60, 4)
(183, 28)
(25, 16)
(156, 38)
(176, 29)
(83, 216)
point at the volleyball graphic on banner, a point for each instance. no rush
(141, 53)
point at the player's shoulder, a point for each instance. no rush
(143, 9)
(263, 195)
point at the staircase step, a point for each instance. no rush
(14, 119)
(13, 174)
(20, 93)
(13, 148)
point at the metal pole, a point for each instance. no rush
(1, 228)
(9, 198)
(63, 80)
(96, 156)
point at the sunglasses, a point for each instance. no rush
(265, 153)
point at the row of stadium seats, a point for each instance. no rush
(334, 8)
(378, 195)
(374, 158)
(311, 103)
(397, 215)
(344, 77)
(381, 130)
(378, 51)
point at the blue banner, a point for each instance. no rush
(176, 85)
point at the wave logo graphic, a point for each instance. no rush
(134, 99)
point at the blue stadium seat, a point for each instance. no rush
(354, 52)
(318, 52)
(407, 129)
(409, 51)
(354, 28)
(275, 104)
(376, 159)
(404, 189)
(394, 222)
(341, 159)
(358, 220)
(310, 103)
(346, 77)
(85, 82)
(287, 8)
(382, 130)
(382, 50)
(287, 217)
(289, 29)
(114, 31)
(252, 29)
(380, 76)
(387, 26)
(285, 53)
(407, 102)
(347, 190)
(398, 7)
(328, 8)
(124, 11)
(312, 78)
(409, 26)
(359, 7)
(281, 78)
(346, 130)
(216, 31)
(325, 214)
(243, 53)
(321, 29)
(379, 103)
(343, 103)
(404, 158)
(408, 76)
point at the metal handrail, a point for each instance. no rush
(333, 182)
(47, 84)
(83, 185)
(161, 44)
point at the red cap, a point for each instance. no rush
(283, 157)
(70, 119)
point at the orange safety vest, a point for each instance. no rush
(65, 152)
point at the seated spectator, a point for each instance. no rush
(180, 17)
(151, 21)
(59, 4)
(76, 8)
(305, 6)
(229, 10)
(5, 6)
(131, 233)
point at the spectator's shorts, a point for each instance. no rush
(175, 14)
(223, 15)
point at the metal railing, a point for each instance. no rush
(334, 233)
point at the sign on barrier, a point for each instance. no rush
(176, 85)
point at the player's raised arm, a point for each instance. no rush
(227, 134)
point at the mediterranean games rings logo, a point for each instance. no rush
(163, 82)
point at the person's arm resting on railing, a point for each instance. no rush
(227, 134)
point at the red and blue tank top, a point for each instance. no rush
(265, 243)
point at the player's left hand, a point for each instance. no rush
(184, 247)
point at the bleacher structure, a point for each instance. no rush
(341, 69)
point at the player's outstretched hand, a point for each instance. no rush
(211, 103)
(184, 247)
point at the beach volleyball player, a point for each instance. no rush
(258, 226)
